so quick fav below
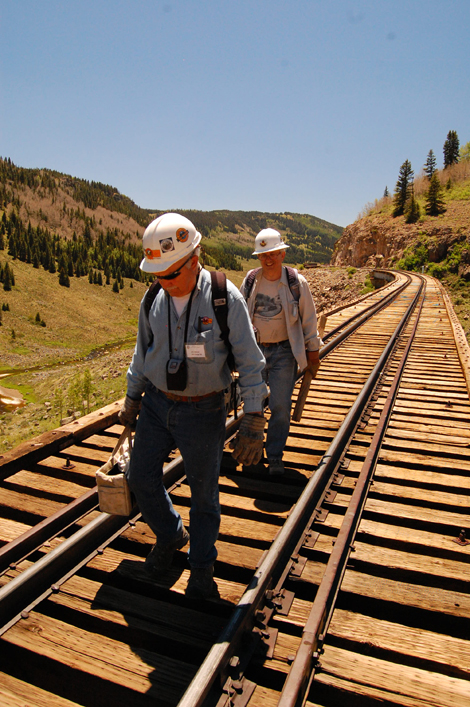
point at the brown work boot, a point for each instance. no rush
(201, 583)
(160, 556)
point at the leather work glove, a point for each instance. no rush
(248, 446)
(313, 362)
(128, 413)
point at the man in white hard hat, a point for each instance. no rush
(180, 363)
(285, 322)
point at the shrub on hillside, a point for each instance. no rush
(414, 257)
(437, 270)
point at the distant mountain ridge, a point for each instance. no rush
(70, 207)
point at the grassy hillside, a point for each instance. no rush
(70, 286)
(439, 245)
(72, 207)
(455, 183)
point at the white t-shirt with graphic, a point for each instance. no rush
(269, 318)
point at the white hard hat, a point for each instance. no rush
(166, 240)
(268, 240)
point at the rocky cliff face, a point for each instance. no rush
(379, 240)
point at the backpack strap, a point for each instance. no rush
(150, 295)
(220, 306)
(293, 282)
(249, 280)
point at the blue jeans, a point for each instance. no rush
(280, 374)
(198, 431)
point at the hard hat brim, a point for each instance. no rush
(271, 250)
(154, 266)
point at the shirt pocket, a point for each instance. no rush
(206, 339)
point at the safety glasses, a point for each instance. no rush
(175, 274)
(273, 255)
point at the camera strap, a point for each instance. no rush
(188, 311)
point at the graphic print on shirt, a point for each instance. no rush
(266, 306)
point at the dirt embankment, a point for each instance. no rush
(334, 287)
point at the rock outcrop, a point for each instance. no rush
(379, 240)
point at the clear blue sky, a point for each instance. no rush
(267, 105)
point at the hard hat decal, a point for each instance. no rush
(166, 240)
(151, 254)
(268, 240)
(166, 244)
(182, 235)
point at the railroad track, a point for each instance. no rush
(345, 582)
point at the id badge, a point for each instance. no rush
(195, 350)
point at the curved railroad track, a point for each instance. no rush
(345, 582)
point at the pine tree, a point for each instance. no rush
(434, 201)
(64, 278)
(115, 286)
(431, 166)
(464, 154)
(386, 193)
(451, 149)
(403, 188)
(412, 210)
(7, 278)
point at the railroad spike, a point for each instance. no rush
(462, 539)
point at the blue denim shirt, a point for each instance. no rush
(208, 372)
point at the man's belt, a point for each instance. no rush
(189, 398)
(273, 343)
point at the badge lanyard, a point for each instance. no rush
(188, 311)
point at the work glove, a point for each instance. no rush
(248, 445)
(128, 413)
(313, 362)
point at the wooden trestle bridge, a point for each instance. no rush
(344, 582)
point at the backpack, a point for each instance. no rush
(219, 304)
(292, 281)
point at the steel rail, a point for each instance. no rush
(37, 581)
(16, 550)
(298, 681)
(32, 539)
(55, 441)
(280, 551)
(42, 578)
(355, 302)
(357, 319)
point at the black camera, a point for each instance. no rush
(176, 374)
